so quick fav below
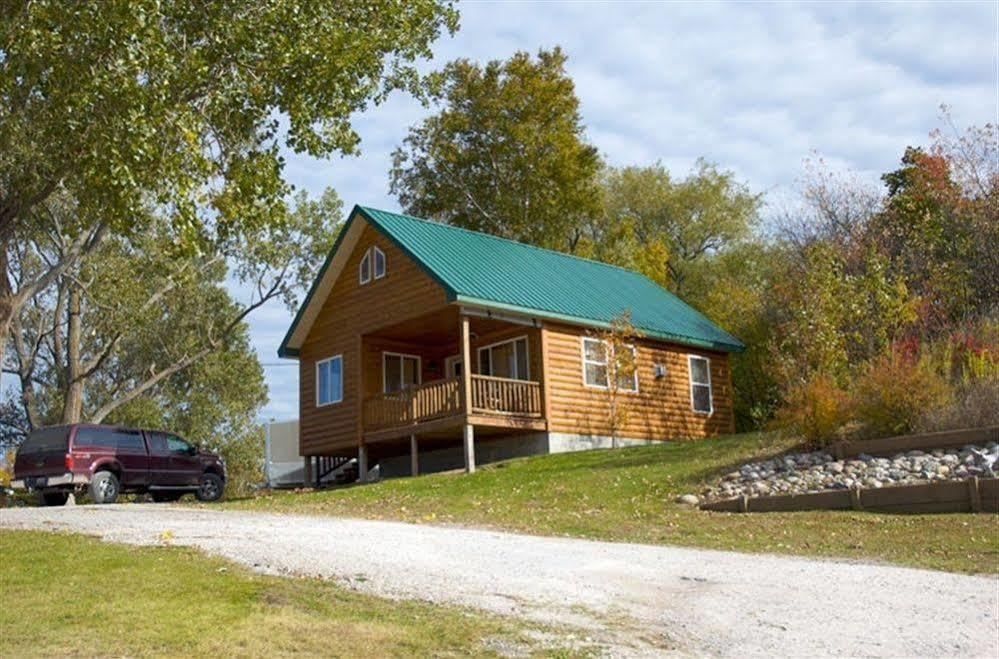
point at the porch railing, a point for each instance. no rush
(443, 398)
(492, 395)
(424, 402)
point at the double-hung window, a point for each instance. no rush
(329, 381)
(700, 384)
(598, 361)
(507, 359)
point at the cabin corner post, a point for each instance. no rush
(468, 434)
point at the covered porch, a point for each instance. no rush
(419, 395)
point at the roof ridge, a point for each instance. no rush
(508, 240)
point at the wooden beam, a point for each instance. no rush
(306, 470)
(414, 458)
(469, 444)
(466, 364)
(362, 463)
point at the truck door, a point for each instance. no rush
(160, 472)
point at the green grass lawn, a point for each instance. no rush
(70, 595)
(629, 495)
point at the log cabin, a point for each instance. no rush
(426, 347)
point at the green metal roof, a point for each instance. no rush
(480, 269)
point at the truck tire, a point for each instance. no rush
(209, 488)
(165, 497)
(56, 498)
(104, 487)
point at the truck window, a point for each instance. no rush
(161, 442)
(45, 440)
(127, 440)
(178, 445)
(102, 437)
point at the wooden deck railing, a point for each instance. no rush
(424, 402)
(491, 395)
(443, 398)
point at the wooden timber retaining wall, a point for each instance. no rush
(971, 495)
(932, 440)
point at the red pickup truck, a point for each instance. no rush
(109, 460)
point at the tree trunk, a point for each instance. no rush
(73, 386)
(6, 302)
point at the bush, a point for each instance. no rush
(975, 404)
(243, 453)
(895, 392)
(815, 410)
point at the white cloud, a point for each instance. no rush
(753, 87)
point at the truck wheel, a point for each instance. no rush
(165, 497)
(53, 498)
(209, 488)
(104, 487)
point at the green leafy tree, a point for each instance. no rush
(129, 320)
(122, 106)
(665, 227)
(505, 153)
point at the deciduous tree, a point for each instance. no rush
(504, 153)
(183, 107)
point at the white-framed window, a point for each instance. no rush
(400, 371)
(364, 269)
(378, 256)
(596, 353)
(700, 384)
(506, 359)
(329, 381)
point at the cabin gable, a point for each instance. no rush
(351, 308)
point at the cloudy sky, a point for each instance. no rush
(754, 87)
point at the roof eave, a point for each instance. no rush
(589, 322)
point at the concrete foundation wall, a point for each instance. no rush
(503, 448)
(560, 442)
(486, 451)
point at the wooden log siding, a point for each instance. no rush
(350, 311)
(492, 395)
(661, 409)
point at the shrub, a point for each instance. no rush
(895, 392)
(243, 452)
(815, 410)
(975, 404)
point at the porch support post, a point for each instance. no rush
(466, 365)
(469, 448)
(306, 470)
(466, 389)
(414, 458)
(362, 464)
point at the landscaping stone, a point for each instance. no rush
(798, 473)
(689, 499)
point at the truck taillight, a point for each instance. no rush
(69, 462)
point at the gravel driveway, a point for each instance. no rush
(636, 599)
